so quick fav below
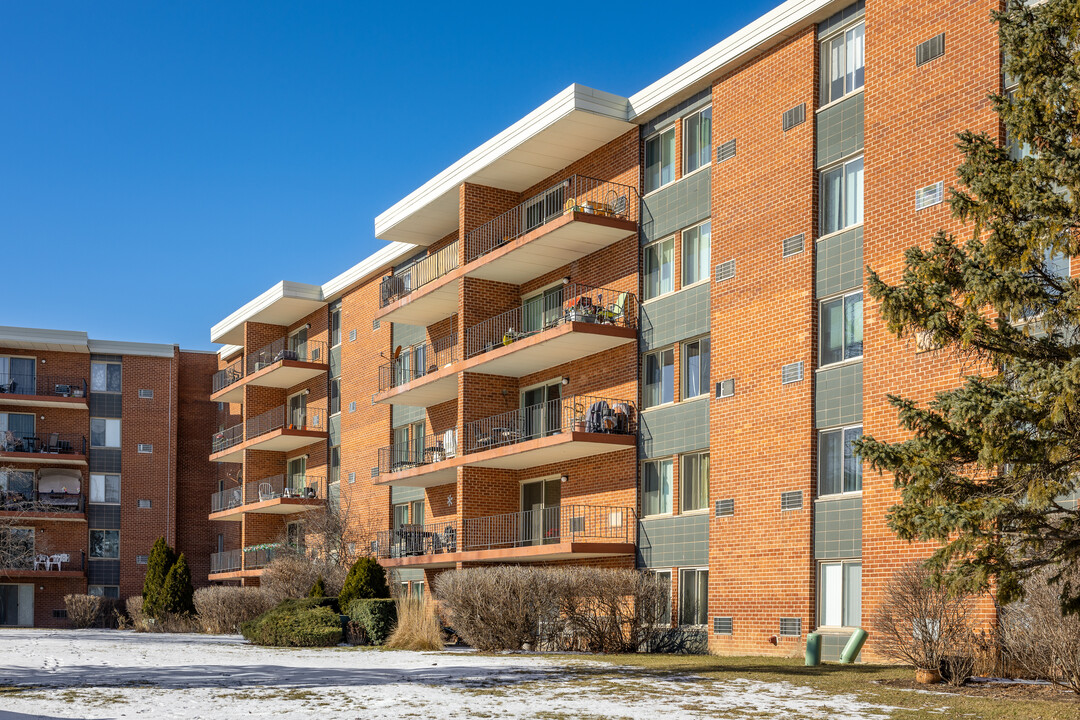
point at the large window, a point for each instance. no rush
(18, 375)
(841, 327)
(16, 431)
(697, 140)
(660, 159)
(840, 603)
(839, 467)
(695, 368)
(105, 489)
(17, 547)
(335, 324)
(659, 262)
(105, 377)
(663, 613)
(659, 377)
(843, 63)
(109, 591)
(104, 432)
(694, 597)
(656, 493)
(842, 196)
(105, 544)
(695, 254)
(694, 482)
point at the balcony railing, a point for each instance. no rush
(573, 302)
(286, 349)
(418, 273)
(44, 443)
(418, 452)
(417, 361)
(307, 487)
(49, 502)
(43, 385)
(48, 560)
(307, 417)
(259, 556)
(576, 194)
(227, 376)
(576, 413)
(543, 526)
(228, 561)
(225, 439)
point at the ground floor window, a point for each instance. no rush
(840, 594)
(17, 605)
(663, 613)
(109, 591)
(694, 597)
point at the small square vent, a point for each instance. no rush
(725, 271)
(930, 195)
(146, 448)
(145, 504)
(375, 472)
(790, 627)
(723, 625)
(352, 335)
(726, 151)
(352, 406)
(794, 116)
(794, 245)
(725, 388)
(352, 478)
(932, 48)
(142, 559)
(791, 373)
(374, 324)
(725, 508)
(791, 500)
(146, 394)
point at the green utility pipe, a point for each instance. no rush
(813, 649)
(854, 645)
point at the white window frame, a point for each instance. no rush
(106, 363)
(682, 586)
(5, 375)
(658, 135)
(683, 510)
(821, 594)
(686, 142)
(103, 478)
(113, 430)
(644, 375)
(704, 229)
(825, 98)
(661, 511)
(670, 605)
(841, 165)
(661, 292)
(843, 297)
(843, 429)
(704, 383)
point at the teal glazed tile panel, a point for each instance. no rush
(838, 263)
(676, 206)
(408, 574)
(678, 541)
(405, 494)
(841, 17)
(838, 396)
(839, 130)
(838, 528)
(684, 108)
(401, 415)
(675, 317)
(674, 429)
(406, 335)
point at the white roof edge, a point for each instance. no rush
(198, 352)
(574, 97)
(282, 290)
(42, 336)
(120, 347)
(367, 267)
(227, 350)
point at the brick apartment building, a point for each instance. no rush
(629, 332)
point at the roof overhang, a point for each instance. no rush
(283, 304)
(567, 127)
(115, 347)
(38, 339)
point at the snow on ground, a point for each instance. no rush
(112, 674)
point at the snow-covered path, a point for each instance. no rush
(113, 674)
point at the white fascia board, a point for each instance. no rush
(575, 97)
(39, 338)
(283, 290)
(369, 266)
(226, 350)
(770, 29)
(119, 347)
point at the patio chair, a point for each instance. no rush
(265, 492)
(59, 558)
(41, 562)
(10, 443)
(54, 443)
(449, 443)
(236, 499)
(9, 387)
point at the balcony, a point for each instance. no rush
(43, 391)
(276, 495)
(554, 431)
(235, 564)
(52, 448)
(411, 295)
(564, 223)
(225, 377)
(563, 532)
(421, 375)
(278, 430)
(574, 322)
(42, 563)
(48, 494)
(224, 562)
(281, 364)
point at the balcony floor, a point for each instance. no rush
(50, 458)
(427, 304)
(558, 345)
(281, 374)
(38, 515)
(431, 389)
(280, 440)
(275, 506)
(567, 550)
(43, 574)
(53, 401)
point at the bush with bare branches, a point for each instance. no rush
(139, 621)
(1037, 637)
(291, 575)
(82, 610)
(222, 609)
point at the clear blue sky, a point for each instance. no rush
(163, 163)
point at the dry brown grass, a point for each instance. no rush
(417, 628)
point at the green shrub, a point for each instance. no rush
(318, 590)
(376, 616)
(177, 597)
(162, 558)
(308, 603)
(366, 580)
(295, 623)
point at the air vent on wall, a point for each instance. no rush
(59, 614)
(726, 151)
(352, 406)
(146, 448)
(374, 324)
(725, 388)
(146, 394)
(723, 625)
(145, 504)
(352, 478)
(142, 559)
(725, 270)
(794, 116)
(374, 472)
(932, 48)
(790, 627)
(352, 335)
(791, 500)
(930, 195)
(794, 244)
(725, 508)
(791, 373)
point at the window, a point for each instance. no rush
(16, 486)
(335, 464)
(841, 328)
(105, 489)
(840, 603)
(660, 159)
(18, 375)
(418, 512)
(659, 270)
(104, 432)
(335, 396)
(663, 613)
(842, 196)
(695, 368)
(656, 493)
(15, 431)
(659, 377)
(17, 545)
(695, 254)
(335, 324)
(694, 482)
(105, 544)
(694, 597)
(401, 515)
(109, 591)
(294, 536)
(839, 468)
(105, 377)
(697, 140)
(843, 63)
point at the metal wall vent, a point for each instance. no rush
(725, 388)
(790, 627)
(352, 406)
(146, 394)
(794, 244)
(930, 195)
(146, 448)
(723, 625)
(726, 151)
(791, 373)
(145, 504)
(374, 472)
(725, 270)
(791, 500)
(725, 508)
(352, 478)
(374, 324)
(932, 48)
(142, 559)
(352, 335)
(794, 116)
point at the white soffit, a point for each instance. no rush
(567, 127)
(117, 347)
(283, 304)
(17, 338)
(366, 268)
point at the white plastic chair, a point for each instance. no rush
(265, 492)
(55, 560)
(450, 442)
(41, 562)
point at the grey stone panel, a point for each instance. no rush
(841, 17)
(838, 528)
(838, 262)
(678, 541)
(408, 574)
(839, 130)
(405, 494)
(102, 572)
(674, 207)
(103, 517)
(104, 461)
(686, 107)
(674, 429)
(838, 396)
(402, 415)
(106, 405)
(406, 335)
(674, 317)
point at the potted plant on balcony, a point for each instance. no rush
(579, 418)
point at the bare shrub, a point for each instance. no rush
(417, 627)
(498, 608)
(291, 576)
(1037, 637)
(175, 623)
(139, 621)
(82, 610)
(222, 609)
(921, 624)
(608, 611)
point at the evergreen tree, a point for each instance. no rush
(162, 558)
(991, 469)
(177, 596)
(318, 590)
(366, 580)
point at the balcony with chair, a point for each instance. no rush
(280, 429)
(245, 563)
(284, 363)
(44, 563)
(41, 446)
(33, 390)
(276, 495)
(421, 292)
(560, 532)
(50, 494)
(423, 461)
(420, 375)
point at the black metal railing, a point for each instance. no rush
(417, 361)
(225, 377)
(227, 561)
(50, 502)
(46, 560)
(42, 385)
(260, 557)
(418, 273)
(573, 302)
(307, 417)
(227, 499)
(308, 487)
(418, 452)
(225, 439)
(45, 443)
(576, 413)
(313, 351)
(560, 523)
(578, 193)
